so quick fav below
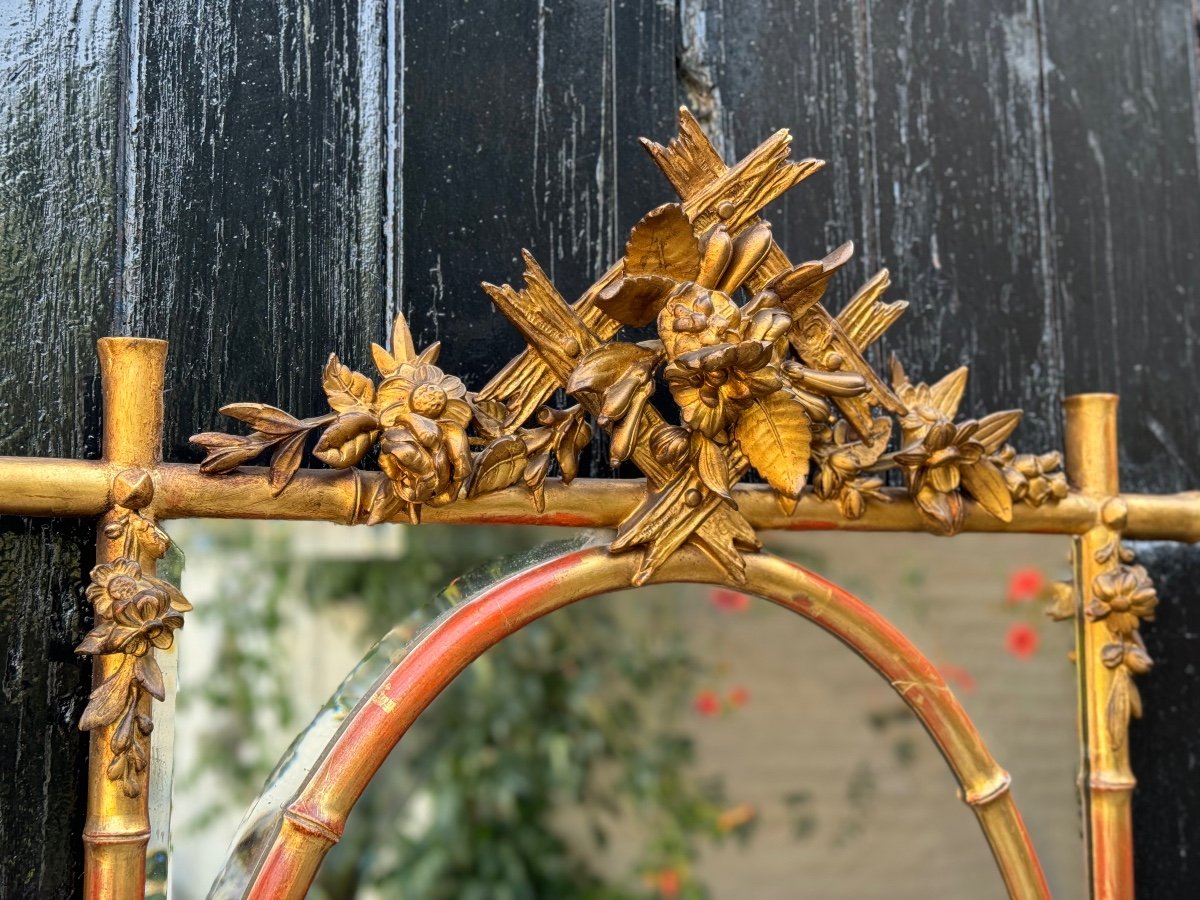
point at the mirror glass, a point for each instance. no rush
(670, 742)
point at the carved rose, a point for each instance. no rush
(134, 611)
(424, 450)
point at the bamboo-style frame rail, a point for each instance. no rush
(86, 488)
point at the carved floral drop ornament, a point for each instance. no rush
(135, 613)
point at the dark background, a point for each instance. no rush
(262, 182)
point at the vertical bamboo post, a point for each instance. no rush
(118, 827)
(1105, 779)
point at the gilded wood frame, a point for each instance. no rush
(778, 384)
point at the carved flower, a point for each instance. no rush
(113, 583)
(940, 457)
(424, 450)
(713, 384)
(927, 404)
(696, 317)
(134, 611)
(843, 456)
(720, 362)
(422, 390)
(1123, 596)
(1130, 653)
(951, 455)
(1034, 479)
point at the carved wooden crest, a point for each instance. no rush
(762, 377)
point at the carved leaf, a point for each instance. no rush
(1120, 707)
(775, 433)
(402, 349)
(750, 248)
(149, 537)
(285, 461)
(663, 243)
(635, 299)
(985, 482)
(261, 417)
(429, 355)
(945, 511)
(228, 451)
(490, 416)
(994, 429)
(385, 363)
(96, 640)
(570, 439)
(109, 700)
(600, 368)
(498, 465)
(347, 440)
(947, 393)
(147, 673)
(1063, 602)
(1135, 699)
(345, 388)
(535, 479)
(383, 504)
(122, 737)
(711, 464)
(715, 255)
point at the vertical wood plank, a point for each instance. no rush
(256, 231)
(520, 127)
(1164, 745)
(59, 77)
(930, 117)
(1122, 107)
(961, 200)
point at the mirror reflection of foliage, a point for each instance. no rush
(246, 686)
(564, 735)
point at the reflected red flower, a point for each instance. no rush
(1022, 640)
(707, 703)
(736, 817)
(958, 676)
(739, 696)
(669, 883)
(1026, 585)
(729, 601)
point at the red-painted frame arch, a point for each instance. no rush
(315, 818)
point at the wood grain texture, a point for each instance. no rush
(257, 207)
(1122, 108)
(1122, 97)
(59, 74)
(1165, 745)
(520, 128)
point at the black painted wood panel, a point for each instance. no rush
(1125, 180)
(1165, 744)
(59, 77)
(257, 220)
